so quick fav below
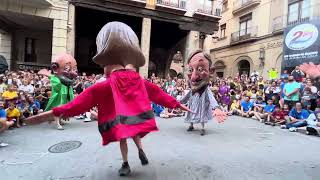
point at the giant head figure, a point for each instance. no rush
(65, 67)
(118, 46)
(199, 70)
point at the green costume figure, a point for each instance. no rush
(64, 70)
(60, 93)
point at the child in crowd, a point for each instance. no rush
(258, 106)
(306, 98)
(267, 111)
(277, 117)
(234, 107)
(13, 114)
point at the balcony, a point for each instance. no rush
(172, 6)
(242, 5)
(137, 3)
(278, 25)
(245, 35)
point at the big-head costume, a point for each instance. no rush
(64, 70)
(124, 99)
(200, 99)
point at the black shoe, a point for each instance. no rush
(203, 132)
(125, 169)
(143, 158)
(190, 128)
(312, 131)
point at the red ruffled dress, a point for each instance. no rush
(124, 105)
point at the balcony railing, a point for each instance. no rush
(173, 3)
(209, 11)
(240, 5)
(244, 35)
(281, 22)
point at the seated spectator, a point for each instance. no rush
(277, 117)
(297, 118)
(234, 107)
(13, 114)
(258, 106)
(246, 107)
(4, 124)
(23, 107)
(313, 122)
(26, 87)
(10, 95)
(34, 106)
(267, 111)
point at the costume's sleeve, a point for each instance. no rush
(186, 98)
(158, 96)
(213, 102)
(81, 104)
(55, 83)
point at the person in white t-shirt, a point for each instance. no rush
(26, 87)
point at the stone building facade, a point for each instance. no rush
(250, 36)
(33, 32)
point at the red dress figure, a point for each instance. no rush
(124, 99)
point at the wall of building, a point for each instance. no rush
(5, 46)
(263, 16)
(56, 10)
(43, 45)
(231, 56)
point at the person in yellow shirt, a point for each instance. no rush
(13, 114)
(234, 107)
(10, 94)
(273, 74)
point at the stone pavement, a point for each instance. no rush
(239, 149)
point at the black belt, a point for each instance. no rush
(127, 120)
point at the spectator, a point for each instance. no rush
(3, 85)
(273, 74)
(313, 123)
(26, 87)
(234, 107)
(284, 75)
(254, 76)
(278, 116)
(34, 106)
(297, 118)
(246, 107)
(313, 95)
(13, 115)
(258, 106)
(10, 95)
(291, 91)
(267, 111)
(4, 124)
(297, 74)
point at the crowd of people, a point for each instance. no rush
(289, 100)
(26, 93)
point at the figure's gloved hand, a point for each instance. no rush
(219, 115)
(40, 118)
(311, 70)
(185, 108)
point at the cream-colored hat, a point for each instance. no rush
(117, 43)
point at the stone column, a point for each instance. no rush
(71, 30)
(59, 37)
(145, 44)
(192, 44)
(5, 46)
